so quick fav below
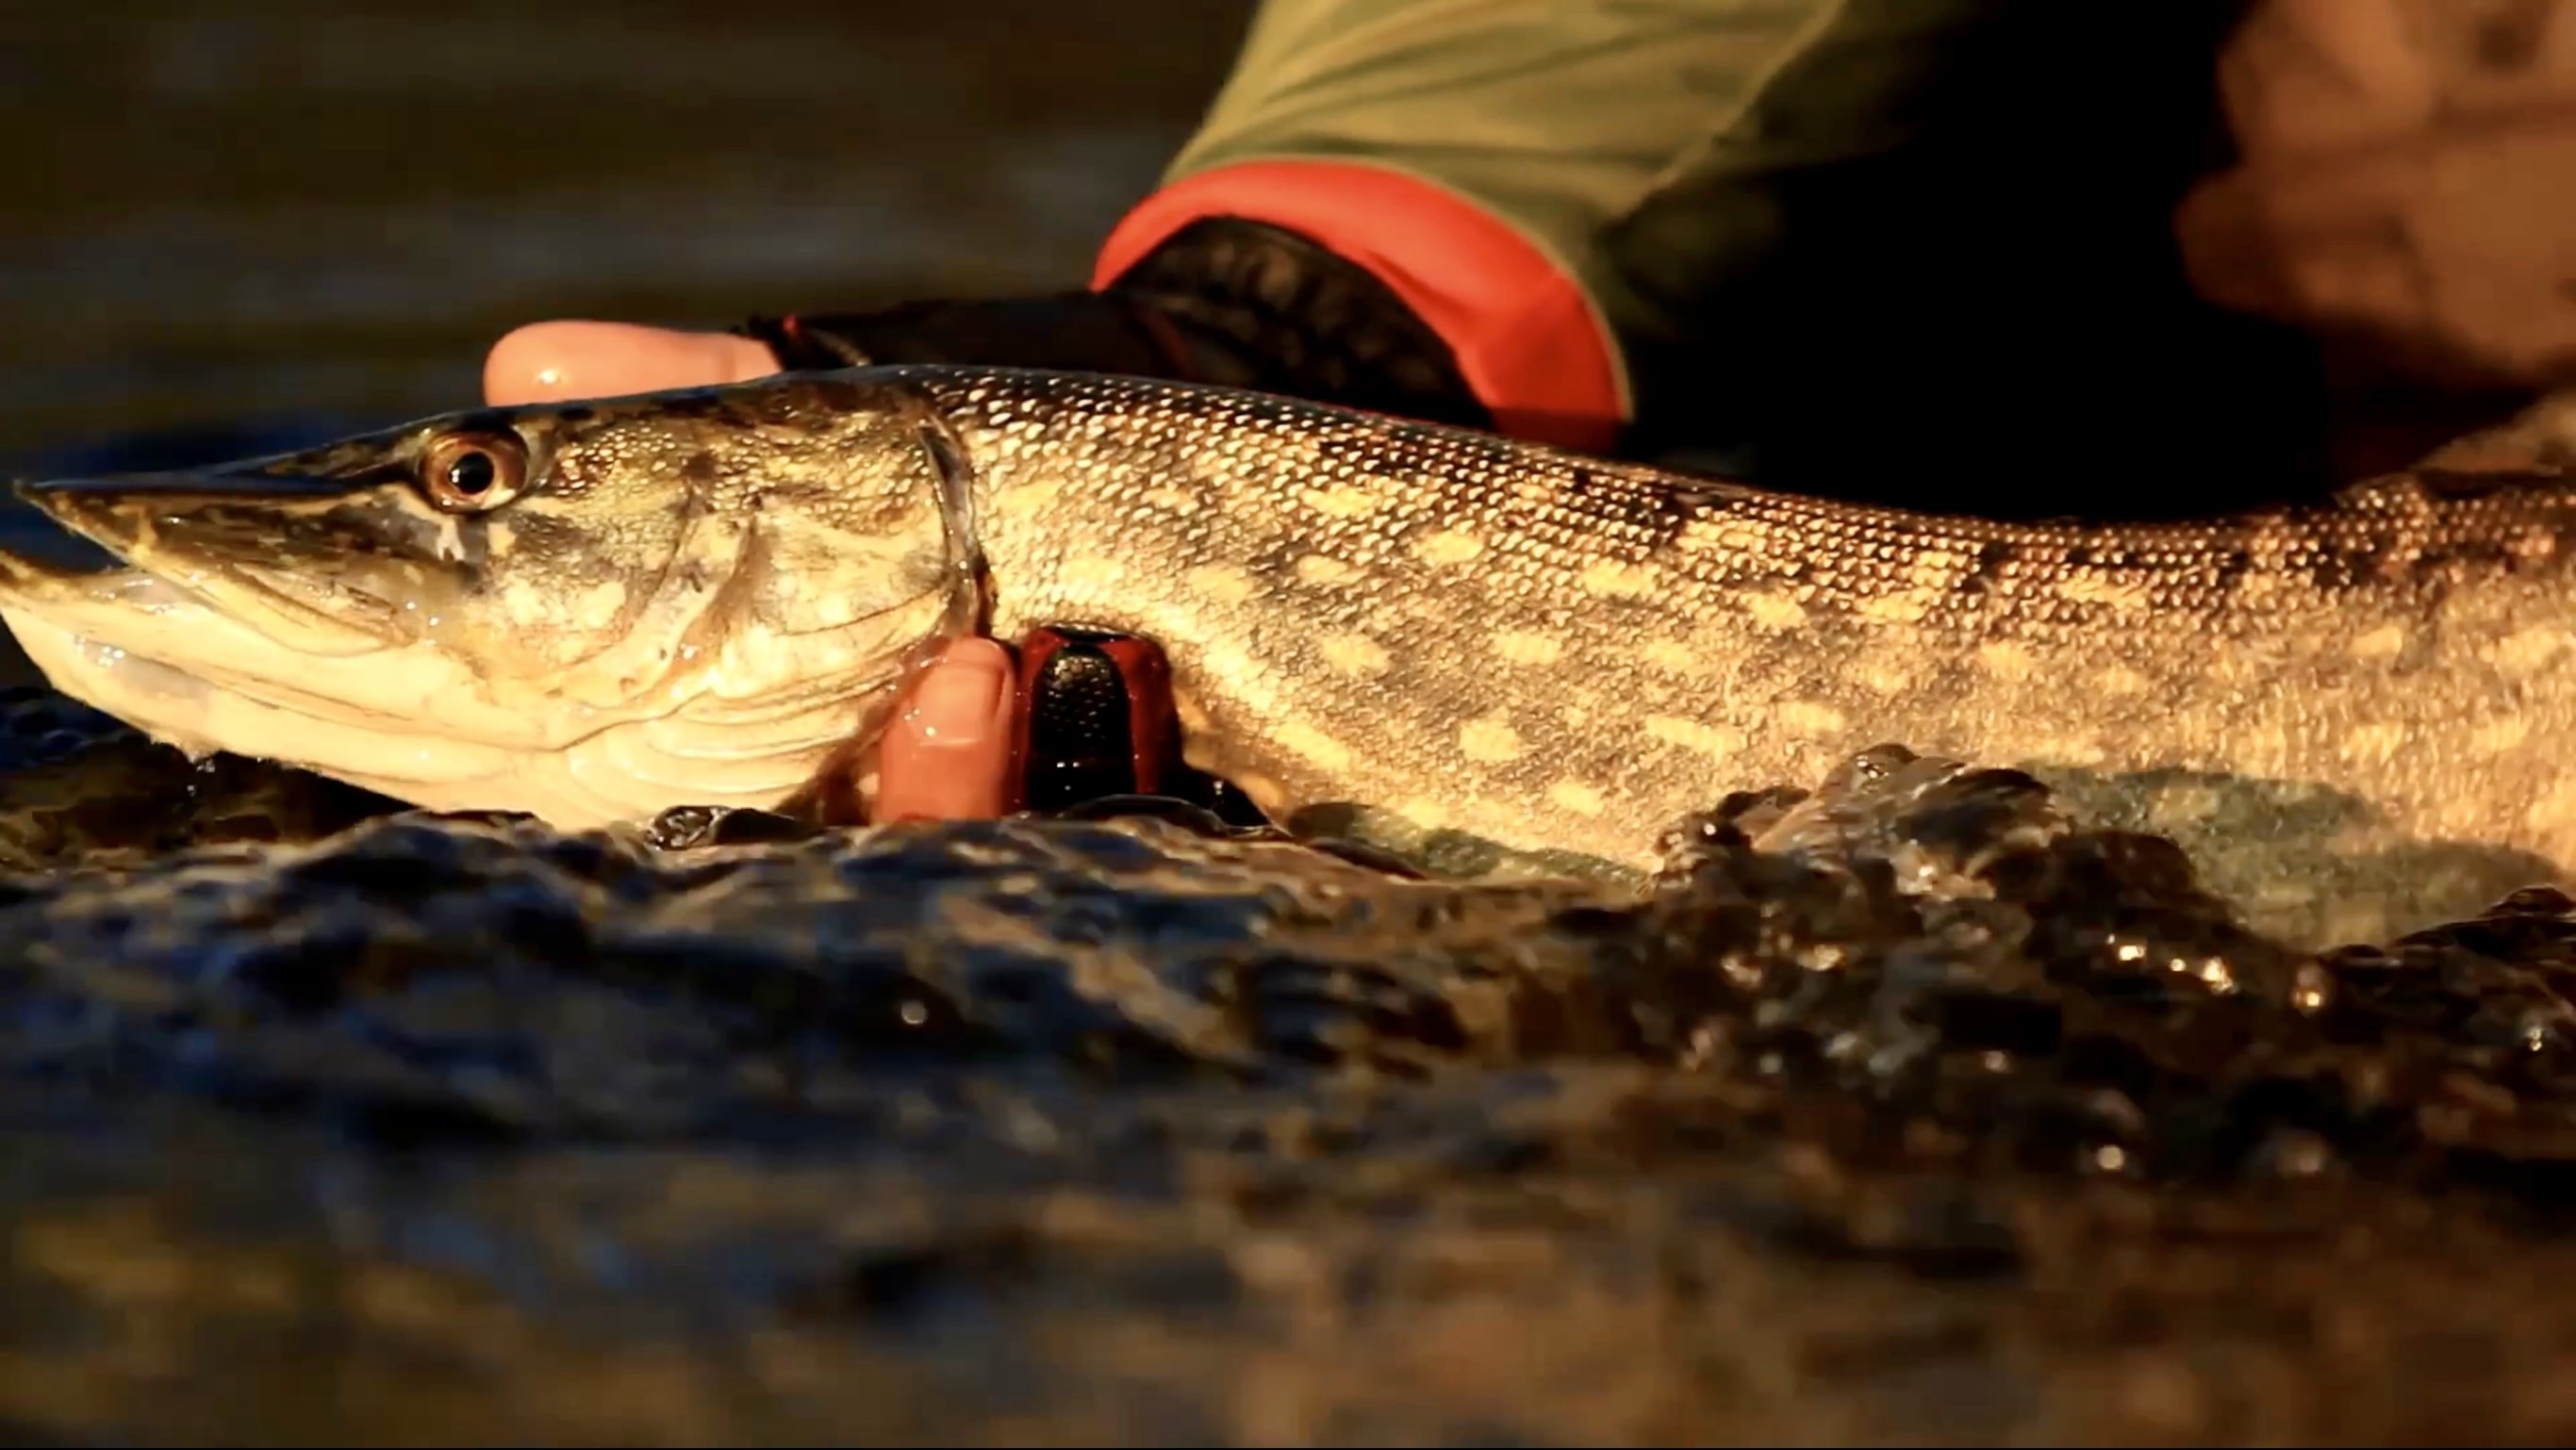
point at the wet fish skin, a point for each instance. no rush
(1494, 656)
(2351, 713)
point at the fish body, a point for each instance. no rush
(1486, 655)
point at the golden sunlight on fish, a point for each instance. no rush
(1483, 654)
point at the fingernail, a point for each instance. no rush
(958, 703)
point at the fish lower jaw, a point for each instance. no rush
(620, 775)
(144, 693)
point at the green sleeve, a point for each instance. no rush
(1564, 119)
(1772, 201)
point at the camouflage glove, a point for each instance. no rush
(1096, 720)
(1225, 301)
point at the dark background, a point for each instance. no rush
(291, 209)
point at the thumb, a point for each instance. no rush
(549, 361)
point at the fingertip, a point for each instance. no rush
(552, 361)
(977, 651)
(947, 754)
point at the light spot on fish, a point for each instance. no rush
(448, 545)
(2109, 590)
(2499, 735)
(1810, 717)
(1528, 647)
(2006, 659)
(1447, 546)
(1178, 500)
(1885, 677)
(1575, 796)
(1616, 579)
(1904, 606)
(1340, 500)
(527, 603)
(598, 606)
(2379, 741)
(1774, 611)
(1716, 534)
(1324, 570)
(1354, 654)
(2555, 808)
(1314, 744)
(1710, 740)
(1672, 655)
(2263, 747)
(1489, 739)
(1089, 571)
(2379, 644)
(1938, 571)
(1223, 583)
(1424, 812)
(1037, 493)
(2119, 681)
(2527, 651)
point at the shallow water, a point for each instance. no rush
(334, 1120)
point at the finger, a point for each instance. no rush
(947, 756)
(549, 361)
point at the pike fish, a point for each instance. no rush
(1489, 656)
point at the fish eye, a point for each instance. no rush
(469, 472)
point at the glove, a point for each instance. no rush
(1096, 720)
(1225, 301)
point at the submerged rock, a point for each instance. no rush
(1906, 1106)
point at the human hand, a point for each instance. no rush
(946, 754)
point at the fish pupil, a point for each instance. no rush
(471, 472)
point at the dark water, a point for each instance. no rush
(330, 1120)
(234, 227)
(283, 207)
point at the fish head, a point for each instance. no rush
(590, 611)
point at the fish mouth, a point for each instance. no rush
(300, 559)
(151, 598)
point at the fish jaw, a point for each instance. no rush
(360, 570)
(223, 693)
(201, 642)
